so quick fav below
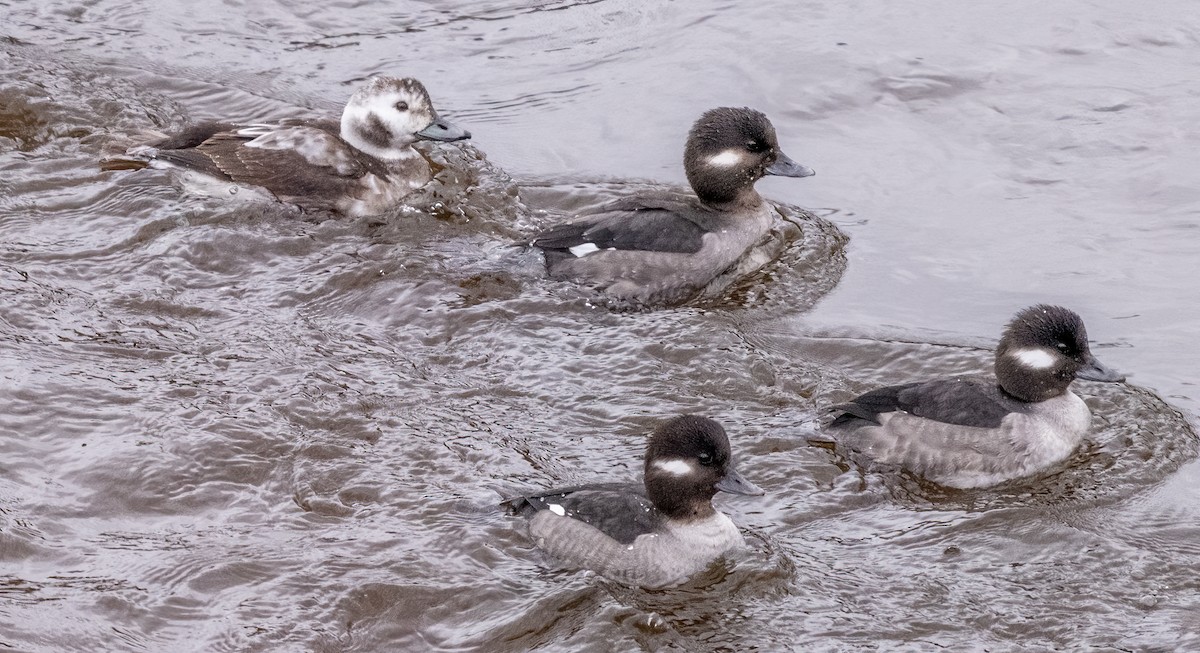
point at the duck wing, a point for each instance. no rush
(295, 159)
(137, 151)
(619, 510)
(961, 402)
(645, 224)
(193, 136)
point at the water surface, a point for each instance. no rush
(229, 427)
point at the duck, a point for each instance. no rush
(967, 433)
(363, 164)
(669, 247)
(656, 534)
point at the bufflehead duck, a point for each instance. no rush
(653, 535)
(965, 433)
(668, 247)
(361, 166)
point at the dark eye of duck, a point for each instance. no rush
(401, 106)
(706, 459)
(757, 147)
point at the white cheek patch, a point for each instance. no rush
(726, 159)
(409, 122)
(583, 250)
(1038, 359)
(674, 467)
(399, 132)
(556, 509)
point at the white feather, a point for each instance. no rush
(726, 159)
(583, 250)
(255, 130)
(1038, 358)
(556, 509)
(675, 467)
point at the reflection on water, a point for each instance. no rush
(229, 426)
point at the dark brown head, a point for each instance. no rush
(728, 150)
(687, 462)
(1043, 349)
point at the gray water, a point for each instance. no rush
(229, 427)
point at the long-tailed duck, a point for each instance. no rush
(361, 166)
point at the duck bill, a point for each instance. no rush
(443, 130)
(784, 166)
(1094, 370)
(735, 483)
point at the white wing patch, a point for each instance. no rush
(556, 509)
(583, 250)
(674, 467)
(1038, 359)
(726, 159)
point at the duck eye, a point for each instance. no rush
(401, 106)
(1063, 347)
(706, 459)
(756, 146)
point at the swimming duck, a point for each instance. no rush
(965, 433)
(362, 165)
(668, 247)
(656, 534)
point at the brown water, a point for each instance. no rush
(227, 427)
